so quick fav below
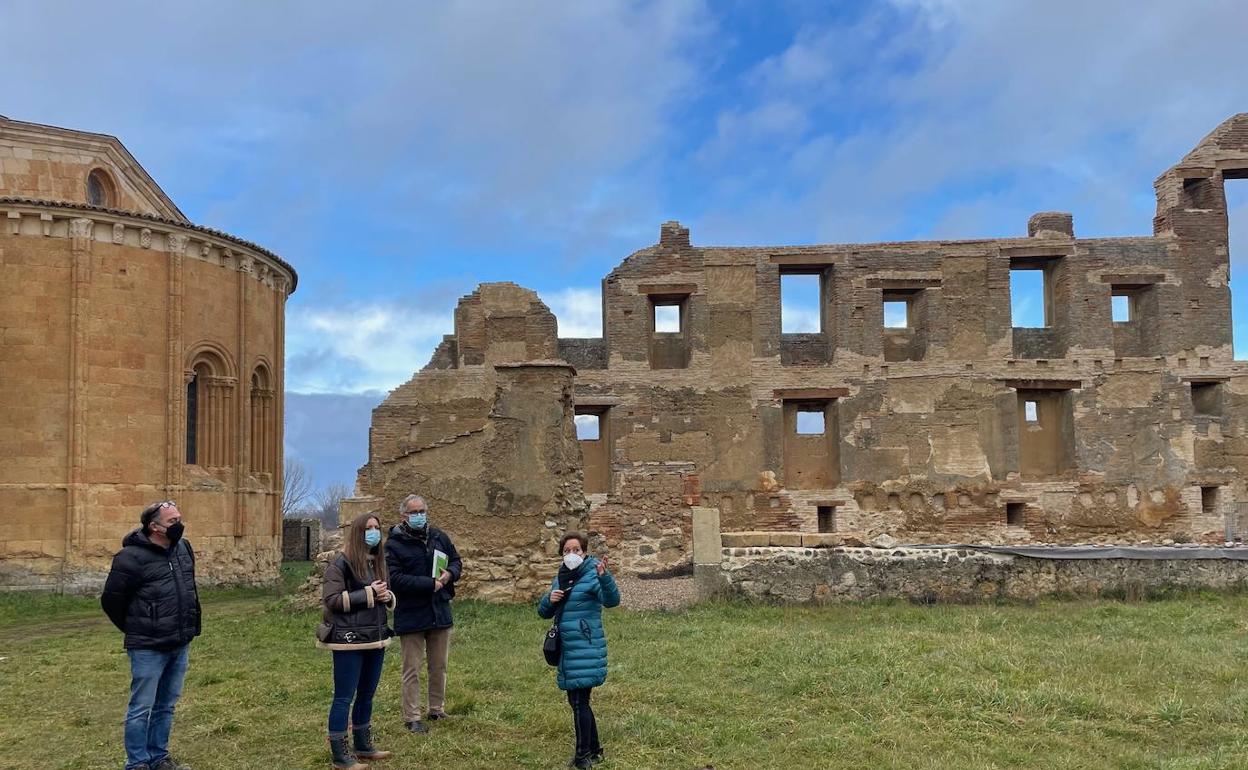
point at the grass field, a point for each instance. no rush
(1054, 685)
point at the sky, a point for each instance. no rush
(399, 154)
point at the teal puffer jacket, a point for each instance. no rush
(584, 643)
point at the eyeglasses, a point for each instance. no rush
(165, 504)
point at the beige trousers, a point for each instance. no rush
(434, 646)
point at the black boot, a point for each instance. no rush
(342, 758)
(364, 748)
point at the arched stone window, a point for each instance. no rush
(100, 189)
(210, 440)
(263, 422)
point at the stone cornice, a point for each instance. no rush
(137, 229)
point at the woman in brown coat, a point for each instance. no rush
(356, 599)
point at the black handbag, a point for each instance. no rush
(552, 647)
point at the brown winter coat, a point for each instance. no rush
(352, 619)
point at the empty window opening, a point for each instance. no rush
(811, 460)
(592, 429)
(810, 422)
(827, 518)
(1121, 307)
(1014, 514)
(896, 314)
(1208, 499)
(669, 343)
(1237, 216)
(587, 428)
(1031, 412)
(801, 303)
(1030, 302)
(1207, 399)
(1046, 446)
(667, 319)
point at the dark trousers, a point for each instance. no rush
(583, 720)
(356, 673)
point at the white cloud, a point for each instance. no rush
(357, 348)
(484, 121)
(1063, 105)
(578, 311)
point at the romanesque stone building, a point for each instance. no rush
(141, 358)
(947, 425)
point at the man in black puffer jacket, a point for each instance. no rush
(150, 596)
(423, 566)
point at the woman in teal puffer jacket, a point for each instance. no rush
(583, 587)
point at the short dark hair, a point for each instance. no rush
(584, 541)
(151, 512)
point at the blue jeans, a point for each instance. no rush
(155, 684)
(356, 673)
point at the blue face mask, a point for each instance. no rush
(418, 520)
(372, 537)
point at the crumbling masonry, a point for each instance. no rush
(950, 426)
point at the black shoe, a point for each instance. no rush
(168, 764)
(580, 762)
(143, 766)
(597, 757)
(416, 727)
(434, 716)
(364, 748)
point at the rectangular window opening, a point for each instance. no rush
(1014, 514)
(587, 427)
(1030, 299)
(810, 422)
(896, 314)
(1031, 412)
(667, 319)
(1207, 399)
(1121, 308)
(801, 303)
(1208, 499)
(827, 518)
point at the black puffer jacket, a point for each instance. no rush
(409, 560)
(150, 594)
(352, 619)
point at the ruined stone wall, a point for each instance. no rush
(816, 575)
(106, 316)
(489, 445)
(956, 427)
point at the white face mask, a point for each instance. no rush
(572, 560)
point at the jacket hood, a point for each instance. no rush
(139, 537)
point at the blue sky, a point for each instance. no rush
(399, 154)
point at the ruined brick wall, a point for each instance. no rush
(490, 446)
(106, 317)
(957, 426)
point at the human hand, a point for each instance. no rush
(601, 567)
(437, 585)
(445, 577)
(381, 590)
(556, 596)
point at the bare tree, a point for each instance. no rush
(325, 503)
(297, 488)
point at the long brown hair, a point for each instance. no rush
(356, 550)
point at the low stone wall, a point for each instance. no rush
(802, 575)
